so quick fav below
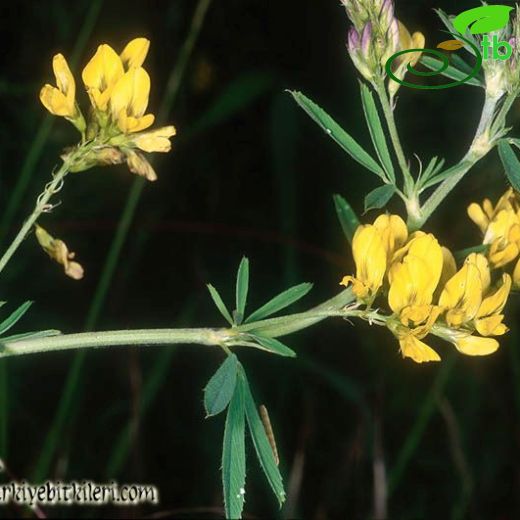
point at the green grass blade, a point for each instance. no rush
(13, 318)
(376, 131)
(220, 388)
(263, 449)
(234, 456)
(221, 306)
(32, 157)
(342, 138)
(412, 440)
(281, 301)
(510, 162)
(242, 288)
(347, 217)
(238, 94)
(71, 391)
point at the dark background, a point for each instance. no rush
(249, 174)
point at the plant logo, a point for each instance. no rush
(480, 20)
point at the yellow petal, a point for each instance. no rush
(156, 140)
(495, 302)
(477, 215)
(64, 78)
(491, 326)
(394, 232)
(102, 73)
(449, 267)
(358, 287)
(482, 264)
(502, 252)
(55, 102)
(476, 346)
(462, 295)
(135, 52)
(417, 350)
(369, 256)
(129, 96)
(516, 275)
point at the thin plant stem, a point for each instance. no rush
(42, 205)
(394, 136)
(476, 152)
(74, 376)
(42, 134)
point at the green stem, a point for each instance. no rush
(229, 337)
(42, 205)
(482, 144)
(394, 136)
(115, 338)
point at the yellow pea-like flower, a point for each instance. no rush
(393, 232)
(462, 296)
(414, 279)
(500, 226)
(417, 350)
(60, 100)
(155, 140)
(135, 52)
(370, 259)
(406, 41)
(129, 100)
(101, 74)
(488, 320)
(471, 345)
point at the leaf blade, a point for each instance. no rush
(274, 346)
(234, 456)
(342, 138)
(242, 288)
(263, 449)
(346, 216)
(221, 386)
(510, 162)
(379, 197)
(221, 306)
(281, 301)
(377, 133)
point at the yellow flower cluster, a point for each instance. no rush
(118, 87)
(500, 226)
(425, 292)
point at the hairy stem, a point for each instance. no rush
(481, 145)
(42, 205)
(222, 337)
(394, 136)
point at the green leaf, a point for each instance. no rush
(241, 290)
(510, 162)
(450, 72)
(234, 456)
(263, 449)
(14, 317)
(217, 300)
(376, 131)
(514, 141)
(347, 217)
(220, 387)
(379, 197)
(337, 133)
(280, 302)
(274, 346)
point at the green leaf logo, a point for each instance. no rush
(483, 19)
